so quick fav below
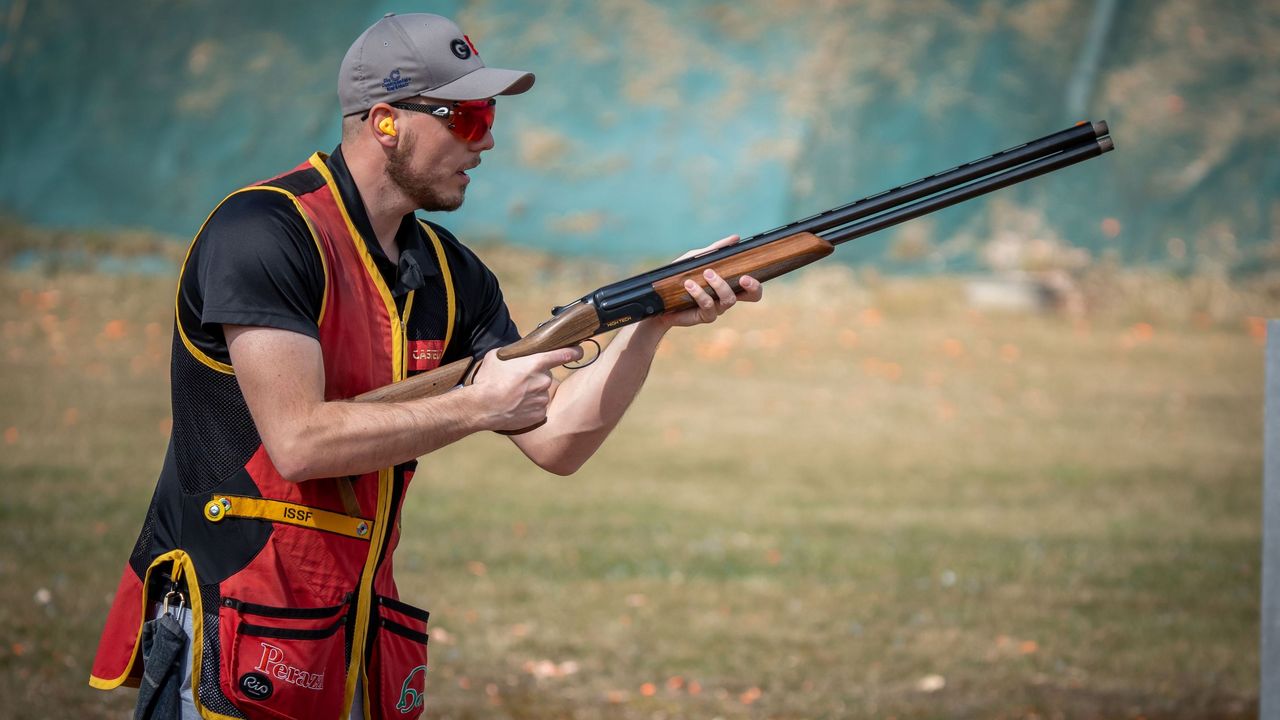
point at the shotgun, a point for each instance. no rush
(770, 254)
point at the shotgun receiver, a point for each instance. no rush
(770, 254)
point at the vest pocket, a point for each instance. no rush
(288, 663)
(397, 671)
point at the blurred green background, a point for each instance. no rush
(657, 125)
(1001, 462)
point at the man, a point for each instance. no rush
(277, 512)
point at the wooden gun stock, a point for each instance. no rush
(427, 384)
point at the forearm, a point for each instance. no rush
(589, 403)
(347, 438)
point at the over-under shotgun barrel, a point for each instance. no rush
(635, 297)
(903, 213)
(764, 262)
(1080, 133)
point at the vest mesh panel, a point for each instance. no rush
(220, 437)
(210, 693)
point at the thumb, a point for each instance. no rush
(721, 243)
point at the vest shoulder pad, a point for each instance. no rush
(298, 182)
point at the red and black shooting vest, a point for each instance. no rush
(289, 585)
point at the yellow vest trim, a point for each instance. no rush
(182, 566)
(196, 352)
(240, 506)
(397, 326)
(451, 302)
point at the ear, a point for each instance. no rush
(382, 124)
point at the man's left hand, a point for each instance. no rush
(714, 304)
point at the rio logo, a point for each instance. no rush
(256, 685)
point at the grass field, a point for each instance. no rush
(859, 499)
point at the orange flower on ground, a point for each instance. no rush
(674, 683)
(876, 367)
(1257, 328)
(48, 300)
(952, 348)
(751, 695)
(115, 330)
(946, 411)
(648, 689)
(10, 435)
(711, 351)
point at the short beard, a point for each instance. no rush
(418, 188)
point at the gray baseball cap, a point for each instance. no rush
(401, 56)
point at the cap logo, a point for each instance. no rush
(394, 82)
(460, 48)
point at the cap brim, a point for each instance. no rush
(481, 83)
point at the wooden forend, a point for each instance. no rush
(762, 263)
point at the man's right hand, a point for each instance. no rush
(516, 392)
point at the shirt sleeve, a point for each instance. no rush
(255, 263)
(483, 318)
